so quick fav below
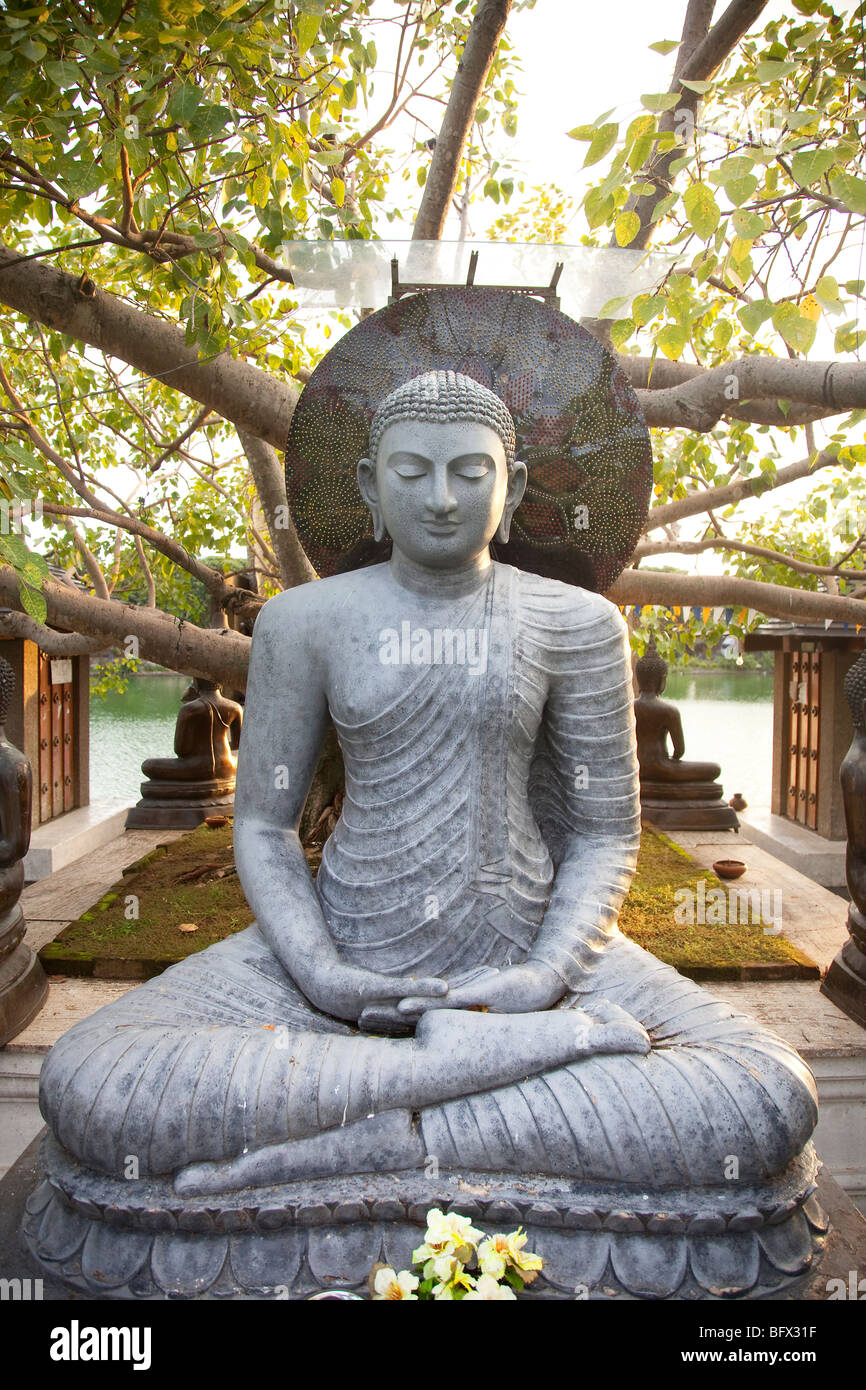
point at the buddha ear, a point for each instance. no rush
(367, 487)
(517, 479)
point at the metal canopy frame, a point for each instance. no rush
(399, 287)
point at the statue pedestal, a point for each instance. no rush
(686, 806)
(845, 981)
(116, 1238)
(180, 805)
(23, 982)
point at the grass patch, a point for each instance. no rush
(727, 950)
(194, 880)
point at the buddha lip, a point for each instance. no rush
(442, 525)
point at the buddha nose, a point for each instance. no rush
(440, 497)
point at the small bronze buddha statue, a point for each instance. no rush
(674, 794)
(200, 779)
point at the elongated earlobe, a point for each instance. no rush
(367, 487)
(516, 488)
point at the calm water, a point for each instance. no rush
(727, 718)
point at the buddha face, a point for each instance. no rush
(441, 489)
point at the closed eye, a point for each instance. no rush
(473, 466)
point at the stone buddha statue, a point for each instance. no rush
(675, 794)
(449, 1013)
(200, 779)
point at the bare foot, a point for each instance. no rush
(608, 1028)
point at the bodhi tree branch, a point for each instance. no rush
(641, 586)
(216, 654)
(483, 40)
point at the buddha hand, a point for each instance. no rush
(518, 989)
(345, 991)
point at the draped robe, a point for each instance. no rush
(491, 815)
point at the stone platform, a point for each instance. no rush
(314, 1252)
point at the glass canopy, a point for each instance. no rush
(357, 274)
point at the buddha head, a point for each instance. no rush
(651, 670)
(441, 478)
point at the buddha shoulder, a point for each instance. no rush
(568, 606)
(300, 613)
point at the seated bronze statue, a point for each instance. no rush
(449, 1013)
(675, 794)
(200, 779)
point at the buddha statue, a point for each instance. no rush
(23, 984)
(675, 794)
(200, 779)
(845, 981)
(449, 1014)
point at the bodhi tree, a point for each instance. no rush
(157, 155)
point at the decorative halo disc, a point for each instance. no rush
(579, 429)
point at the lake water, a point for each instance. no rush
(727, 718)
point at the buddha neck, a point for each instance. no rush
(438, 583)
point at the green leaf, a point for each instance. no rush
(661, 101)
(749, 224)
(338, 189)
(33, 50)
(665, 46)
(752, 315)
(626, 228)
(183, 103)
(849, 190)
(797, 331)
(62, 74)
(646, 306)
(621, 331)
(260, 188)
(33, 602)
(603, 140)
(702, 210)
(672, 339)
(581, 132)
(700, 87)
(771, 71)
(808, 166)
(306, 29)
(827, 294)
(612, 306)
(740, 190)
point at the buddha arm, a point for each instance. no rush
(283, 731)
(586, 788)
(675, 729)
(285, 723)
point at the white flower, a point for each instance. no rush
(487, 1290)
(392, 1286)
(447, 1234)
(500, 1251)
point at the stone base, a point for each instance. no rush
(113, 1238)
(179, 811)
(691, 814)
(845, 982)
(23, 991)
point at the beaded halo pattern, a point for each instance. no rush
(578, 428)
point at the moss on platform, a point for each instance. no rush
(193, 880)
